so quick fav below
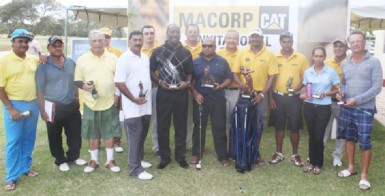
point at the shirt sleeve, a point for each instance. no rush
(78, 71)
(273, 67)
(41, 77)
(120, 74)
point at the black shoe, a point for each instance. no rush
(162, 164)
(183, 164)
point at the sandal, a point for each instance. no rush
(309, 169)
(296, 159)
(277, 157)
(316, 170)
(346, 173)
(31, 174)
(11, 185)
(364, 185)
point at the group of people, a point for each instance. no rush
(156, 83)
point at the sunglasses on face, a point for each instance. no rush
(207, 45)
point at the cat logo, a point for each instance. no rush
(274, 19)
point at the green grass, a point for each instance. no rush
(281, 179)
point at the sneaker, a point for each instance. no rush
(276, 158)
(112, 166)
(145, 176)
(119, 149)
(64, 167)
(92, 165)
(296, 159)
(80, 161)
(337, 163)
(183, 164)
(145, 164)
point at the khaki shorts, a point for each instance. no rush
(100, 124)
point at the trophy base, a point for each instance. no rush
(340, 103)
(206, 85)
(317, 96)
(173, 86)
(290, 90)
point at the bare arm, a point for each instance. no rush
(40, 102)
(13, 113)
(124, 90)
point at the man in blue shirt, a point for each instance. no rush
(212, 75)
(55, 84)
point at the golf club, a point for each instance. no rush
(198, 166)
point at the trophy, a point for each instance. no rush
(288, 85)
(248, 93)
(141, 93)
(208, 80)
(340, 102)
(316, 95)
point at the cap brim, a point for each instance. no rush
(22, 36)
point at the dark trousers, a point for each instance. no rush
(217, 111)
(172, 104)
(69, 118)
(317, 118)
(136, 133)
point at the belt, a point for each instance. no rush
(284, 94)
(233, 88)
(317, 105)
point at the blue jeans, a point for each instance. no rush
(20, 137)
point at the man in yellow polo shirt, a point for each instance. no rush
(229, 52)
(264, 65)
(94, 74)
(107, 44)
(195, 47)
(149, 45)
(339, 48)
(18, 94)
(284, 100)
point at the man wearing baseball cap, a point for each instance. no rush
(55, 84)
(339, 48)
(18, 95)
(264, 65)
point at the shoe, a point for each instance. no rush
(276, 158)
(225, 163)
(118, 149)
(80, 161)
(309, 169)
(157, 153)
(145, 164)
(183, 164)
(162, 164)
(337, 163)
(296, 159)
(64, 167)
(364, 185)
(316, 170)
(145, 176)
(194, 160)
(260, 161)
(112, 166)
(31, 173)
(10, 186)
(92, 165)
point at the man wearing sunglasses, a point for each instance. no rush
(55, 84)
(212, 75)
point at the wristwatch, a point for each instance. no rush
(189, 83)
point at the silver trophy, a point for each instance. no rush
(340, 102)
(316, 95)
(25, 114)
(288, 85)
(141, 93)
(94, 93)
(208, 80)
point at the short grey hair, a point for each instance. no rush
(95, 34)
(357, 32)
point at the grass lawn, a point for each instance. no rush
(281, 179)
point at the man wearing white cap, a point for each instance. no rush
(18, 94)
(339, 48)
(264, 67)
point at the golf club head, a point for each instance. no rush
(198, 166)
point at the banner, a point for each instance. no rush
(81, 46)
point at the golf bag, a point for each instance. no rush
(246, 126)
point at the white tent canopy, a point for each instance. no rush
(367, 15)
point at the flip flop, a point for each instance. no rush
(11, 185)
(346, 173)
(31, 174)
(364, 185)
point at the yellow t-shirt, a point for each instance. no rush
(17, 76)
(264, 64)
(331, 62)
(148, 52)
(196, 51)
(100, 70)
(230, 58)
(115, 51)
(294, 66)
